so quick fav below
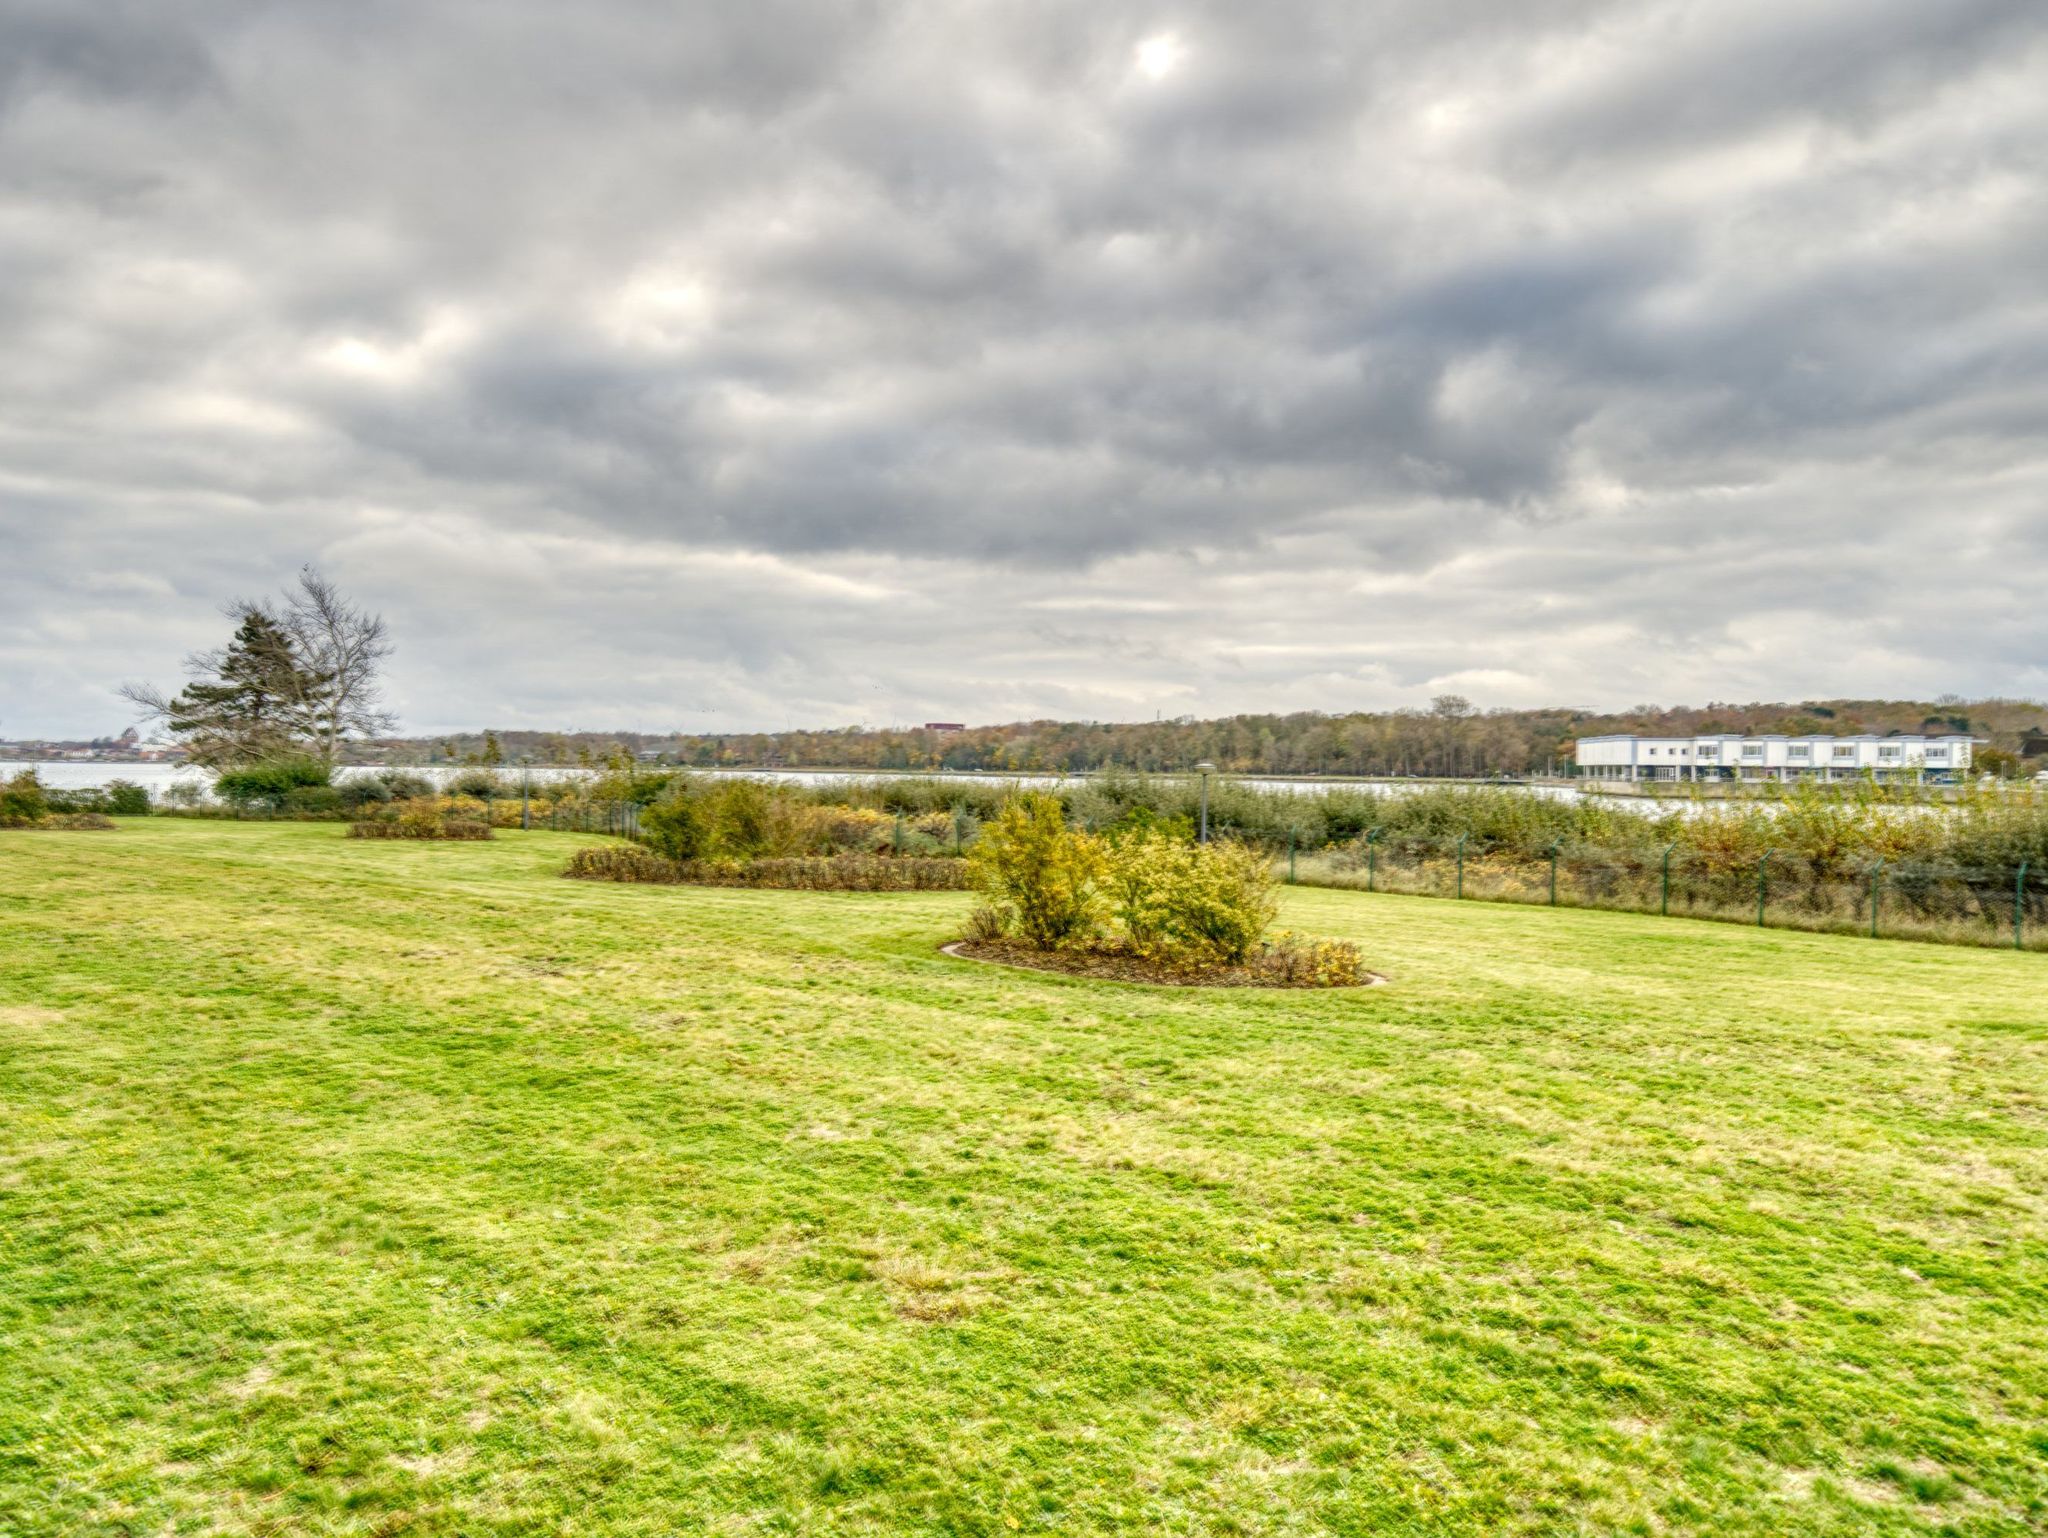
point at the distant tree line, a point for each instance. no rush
(1451, 738)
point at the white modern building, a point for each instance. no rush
(1726, 757)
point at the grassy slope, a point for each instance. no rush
(352, 1187)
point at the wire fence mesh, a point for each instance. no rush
(1916, 899)
(557, 812)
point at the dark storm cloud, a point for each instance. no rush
(1683, 75)
(812, 362)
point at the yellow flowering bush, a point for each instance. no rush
(1221, 901)
(1201, 905)
(1143, 870)
(1038, 873)
(1147, 891)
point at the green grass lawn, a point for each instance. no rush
(352, 1187)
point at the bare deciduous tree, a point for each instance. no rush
(340, 648)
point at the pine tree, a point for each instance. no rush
(255, 708)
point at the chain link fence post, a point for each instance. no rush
(1664, 903)
(1553, 870)
(1461, 863)
(1763, 886)
(1372, 858)
(1876, 896)
(2019, 908)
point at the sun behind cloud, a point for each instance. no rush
(1158, 56)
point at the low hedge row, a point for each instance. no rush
(459, 829)
(824, 873)
(61, 822)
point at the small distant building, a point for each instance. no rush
(944, 726)
(1728, 757)
(2034, 744)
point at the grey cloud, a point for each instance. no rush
(1704, 72)
(107, 52)
(1570, 347)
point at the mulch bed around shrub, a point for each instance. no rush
(1118, 966)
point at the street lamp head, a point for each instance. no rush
(1205, 767)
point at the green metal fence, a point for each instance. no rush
(1906, 899)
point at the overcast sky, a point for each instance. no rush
(811, 364)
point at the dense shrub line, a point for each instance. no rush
(1843, 826)
(1846, 827)
(26, 802)
(696, 817)
(116, 798)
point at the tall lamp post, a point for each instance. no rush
(1205, 769)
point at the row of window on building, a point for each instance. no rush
(1723, 757)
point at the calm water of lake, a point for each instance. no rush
(160, 777)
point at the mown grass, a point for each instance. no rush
(353, 1187)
